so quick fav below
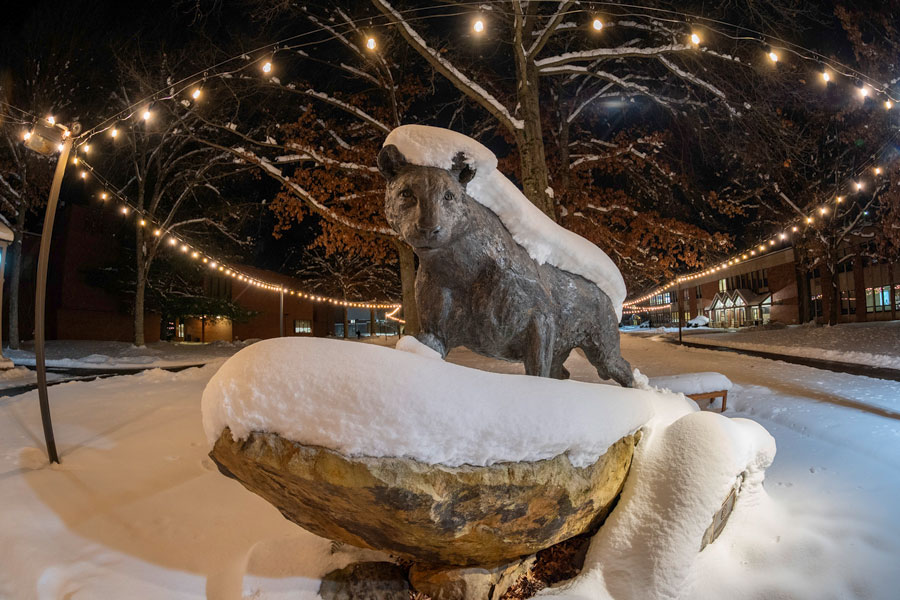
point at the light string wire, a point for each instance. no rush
(270, 50)
(191, 250)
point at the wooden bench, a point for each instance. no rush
(696, 386)
(711, 396)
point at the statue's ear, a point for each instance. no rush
(462, 170)
(390, 161)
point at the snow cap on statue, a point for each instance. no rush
(544, 240)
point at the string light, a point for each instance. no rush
(51, 120)
(195, 94)
(142, 222)
(859, 186)
(104, 196)
(370, 43)
(113, 132)
(772, 56)
(478, 26)
(84, 174)
(597, 24)
(124, 210)
(888, 104)
(878, 170)
(826, 77)
(863, 91)
(86, 148)
(26, 136)
(157, 232)
(267, 67)
(146, 115)
(61, 147)
(695, 39)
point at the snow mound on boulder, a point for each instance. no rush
(366, 400)
(544, 240)
(681, 474)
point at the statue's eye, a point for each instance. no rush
(407, 194)
(448, 195)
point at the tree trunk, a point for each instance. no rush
(830, 278)
(15, 278)
(372, 322)
(408, 285)
(139, 287)
(530, 142)
(346, 324)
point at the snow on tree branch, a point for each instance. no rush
(448, 70)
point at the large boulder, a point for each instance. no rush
(442, 516)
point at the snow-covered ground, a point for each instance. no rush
(91, 354)
(873, 344)
(137, 509)
(21, 376)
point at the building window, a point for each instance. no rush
(302, 326)
(878, 299)
(723, 285)
(848, 302)
(698, 292)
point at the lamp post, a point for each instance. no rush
(47, 138)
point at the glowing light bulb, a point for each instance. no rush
(878, 170)
(808, 220)
(478, 26)
(184, 248)
(114, 132)
(794, 229)
(762, 248)
(213, 265)
(84, 174)
(51, 120)
(370, 43)
(888, 104)
(172, 241)
(146, 115)
(61, 147)
(267, 67)
(771, 242)
(695, 39)
(858, 186)
(194, 254)
(124, 210)
(26, 136)
(86, 148)
(840, 199)
(864, 91)
(773, 57)
(75, 161)
(783, 235)
(195, 94)
(142, 222)
(826, 77)
(104, 196)
(157, 232)
(597, 24)
(823, 211)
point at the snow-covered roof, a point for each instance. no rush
(544, 240)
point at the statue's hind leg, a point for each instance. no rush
(538, 354)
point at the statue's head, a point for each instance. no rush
(427, 206)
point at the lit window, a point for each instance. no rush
(302, 326)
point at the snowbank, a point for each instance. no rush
(693, 383)
(544, 240)
(366, 400)
(679, 478)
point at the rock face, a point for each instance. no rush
(442, 516)
(366, 581)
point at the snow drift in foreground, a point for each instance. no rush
(544, 240)
(365, 400)
(680, 476)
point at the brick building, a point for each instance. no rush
(87, 236)
(774, 288)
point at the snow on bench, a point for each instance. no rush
(697, 386)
